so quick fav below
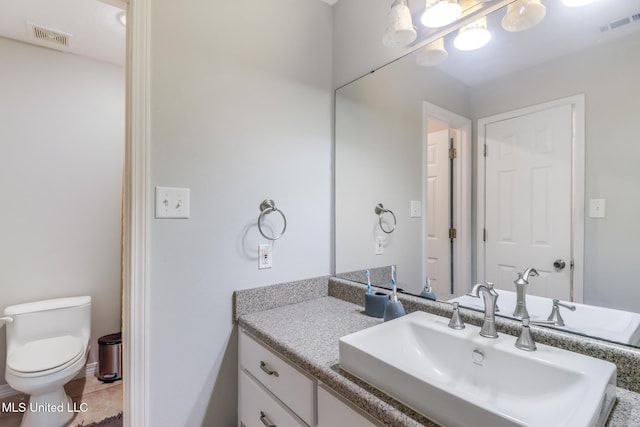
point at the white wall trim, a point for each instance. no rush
(577, 182)
(136, 219)
(462, 194)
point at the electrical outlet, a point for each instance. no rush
(172, 202)
(264, 256)
(597, 208)
(379, 248)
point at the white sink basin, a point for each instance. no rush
(458, 378)
(614, 325)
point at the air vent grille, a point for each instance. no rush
(49, 35)
(620, 22)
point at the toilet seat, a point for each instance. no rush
(45, 356)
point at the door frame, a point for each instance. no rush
(136, 218)
(577, 102)
(461, 194)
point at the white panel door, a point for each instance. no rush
(528, 200)
(438, 212)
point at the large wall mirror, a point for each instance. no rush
(395, 130)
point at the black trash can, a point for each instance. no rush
(110, 357)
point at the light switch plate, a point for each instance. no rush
(172, 202)
(597, 208)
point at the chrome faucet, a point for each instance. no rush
(555, 316)
(521, 292)
(490, 297)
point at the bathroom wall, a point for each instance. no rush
(241, 101)
(608, 76)
(61, 155)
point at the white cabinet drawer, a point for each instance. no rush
(332, 412)
(259, 409)
(288, 384)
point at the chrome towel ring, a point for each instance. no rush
(266, 207)
(380, 211)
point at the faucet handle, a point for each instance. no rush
(555, 316)
(456, 321)
(525, 340)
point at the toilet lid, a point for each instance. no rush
(45, 354)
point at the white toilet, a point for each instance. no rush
(47, 345)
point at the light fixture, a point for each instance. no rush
(400, 31)
(523, 14)
(432, 54)
(577, 3)
(439, 13)
(473, 36)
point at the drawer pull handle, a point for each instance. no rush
(268, 371)
(265, 420)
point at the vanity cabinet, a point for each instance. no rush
(272, 391)
(334, 412)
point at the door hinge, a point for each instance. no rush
(484, 234)
(485, 150)
(453, 153)
(453, 233)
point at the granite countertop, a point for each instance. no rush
(307, 334)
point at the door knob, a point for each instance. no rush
(559, 264)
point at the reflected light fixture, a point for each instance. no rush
(577, 3)
(523, 14)
(473, 36)
(400, 31)
(432, 54)
(439, 13)
(122, 18)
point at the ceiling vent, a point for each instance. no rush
(620, 22)
(48, 35)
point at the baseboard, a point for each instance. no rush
(90, 370)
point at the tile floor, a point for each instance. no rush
(101, 400)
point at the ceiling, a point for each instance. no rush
(92, 27)
(94, 31)
(562, 31)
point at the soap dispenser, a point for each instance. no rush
(394, 308)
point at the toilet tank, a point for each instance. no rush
(49, 318)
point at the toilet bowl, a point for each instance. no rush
(47, 345)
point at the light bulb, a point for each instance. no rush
(439, 13)
(473, 36)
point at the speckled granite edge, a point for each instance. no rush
(267, 297)
(626, 359)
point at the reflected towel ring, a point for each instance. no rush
(380, 211)
(266, 207)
